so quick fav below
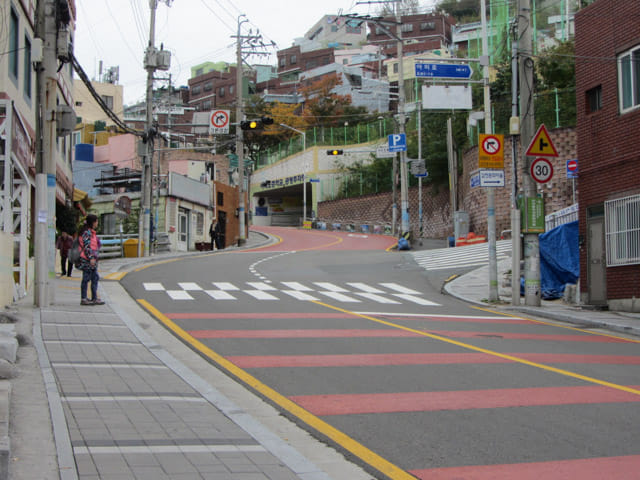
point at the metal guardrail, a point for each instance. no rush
(112, 246)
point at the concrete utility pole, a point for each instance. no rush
(488, 127)
(514, 130)
(47, 86)
(404, 188)
(147, 163)
(242, 237)
(527, 130)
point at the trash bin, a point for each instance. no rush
(131, 247)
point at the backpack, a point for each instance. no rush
(74, 252)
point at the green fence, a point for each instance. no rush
(330, 136)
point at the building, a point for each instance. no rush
(18, 120)
(332, 31)
(608, 122)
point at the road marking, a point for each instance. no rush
(368, 456)
(330, 286)
(179, 295)
(297, 294)
(153, 287)
(220, 295)
(225, 286)
(297, 286)
(418, 300)
(468, 346)
(340, 297)
(260, 295)
(400, 288)
(189, 286)
(376, 298)
(261, 286)
(364, 287)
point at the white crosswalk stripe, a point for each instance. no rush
(461, 257)
(383, 293)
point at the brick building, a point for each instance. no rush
(608, 115)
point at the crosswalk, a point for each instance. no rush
(461, 257)
(350, 292)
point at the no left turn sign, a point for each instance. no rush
(541, 170)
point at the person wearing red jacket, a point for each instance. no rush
(89, 248)
(64, 243)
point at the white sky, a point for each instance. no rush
(195, 31)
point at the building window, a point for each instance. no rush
(629, 79)
(206, 105)
(356, 30)
(334, 28)
(622, 224)
(195, 90)
(594, 99)
(395, 67)
(283, 62)
(231, 90)
(208, 87)
(293, 60)
(108, 101)
(199, 223)
(220, 199)
(345, 61)
(14, 30)
(221, 91)
(428, 26)
(407, 27)
(27, 67)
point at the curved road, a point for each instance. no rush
(350, 339)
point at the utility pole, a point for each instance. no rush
(527, 130)
(239, 134)
(47, 86)
(404, 190)
(491, 199)
(514, 130)
(147, 159)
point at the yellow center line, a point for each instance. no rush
(368, 456)
(484, 350)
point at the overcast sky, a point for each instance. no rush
(195, 31)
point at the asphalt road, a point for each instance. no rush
(360, 347)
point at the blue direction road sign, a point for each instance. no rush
(314, 180)
(398, 142)
(443, 70)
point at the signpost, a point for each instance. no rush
(572, 168)
(541, 145)
(491, 151)
(443, 70)
(492, 178)
(397, 142)
(219, 122)
(541, 170)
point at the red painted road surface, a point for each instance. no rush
(294, 239)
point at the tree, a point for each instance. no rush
(322, 106)
(406, 7)
(463, 11)
(557, 66)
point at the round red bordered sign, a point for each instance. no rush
(541, 170)
(491, 145)
(220, 119)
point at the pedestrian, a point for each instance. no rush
(89, 248)
(218, 236)
(213, 233)
(64, 243)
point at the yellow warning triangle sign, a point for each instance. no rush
(541, 145)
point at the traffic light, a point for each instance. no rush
(335, 152)
(257, 124)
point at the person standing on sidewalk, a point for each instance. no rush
(213, 233)
(64, 243)
(89, 248)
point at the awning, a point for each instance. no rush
(81, 200)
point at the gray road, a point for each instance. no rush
(362, 349)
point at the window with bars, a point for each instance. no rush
(622, 224)
(629, 79)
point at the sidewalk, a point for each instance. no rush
(473, 288)
(105, 392)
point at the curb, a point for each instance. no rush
(5, 444)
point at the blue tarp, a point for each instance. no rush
(559, 260)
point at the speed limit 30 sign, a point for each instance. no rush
(541, 170)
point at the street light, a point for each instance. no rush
(304, 171)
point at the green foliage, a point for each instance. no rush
(130, 222)
(464, 11)
(66, 219)
(557, 66)
(362, 178)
